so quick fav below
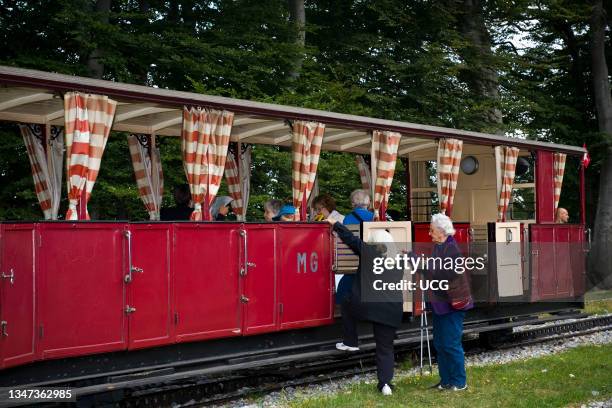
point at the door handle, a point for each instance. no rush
(244, 299)
(129, 309)
(4, 324)
(10, 276)
(131, 269)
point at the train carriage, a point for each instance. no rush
(78, 287)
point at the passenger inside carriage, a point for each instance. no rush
(325, 208)
(561, 216)
(220, 209)
(271, 209)
(286, 213)
(182, 209)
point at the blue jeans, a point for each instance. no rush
(447, 332)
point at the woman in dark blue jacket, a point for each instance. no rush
(381, 307)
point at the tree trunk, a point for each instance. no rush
(600, 273)
(96, 68)
(480, 73)
(297, 14)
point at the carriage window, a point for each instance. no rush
(522, 204)
(423, 191)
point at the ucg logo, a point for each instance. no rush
(301, 262)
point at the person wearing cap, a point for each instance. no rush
(286, 213)
(220, 208)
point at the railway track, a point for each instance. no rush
(212, 382)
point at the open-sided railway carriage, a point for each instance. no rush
(77, 287)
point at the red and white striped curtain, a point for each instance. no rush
(234, 185)
(383, 156)
(205, 139)
(148, 172)
(558, 171)
(88, 120)
(449, 160)
(46, 165)
(364, 173)
(505, 159)
(306, 150)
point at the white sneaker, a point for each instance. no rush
(344, 347)
(386, 390)
(457, 388)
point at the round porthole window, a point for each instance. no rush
(469, 165)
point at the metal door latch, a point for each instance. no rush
(4, 324)
(244, 299)
(129, 309)
(133, 269)
(251, 264)
(10, 276)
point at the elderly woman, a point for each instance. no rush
(448, 307)
(360, 200)
(366, 302)
(271, 209)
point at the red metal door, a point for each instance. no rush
(306, 284)
(557, 261)
(205, 277)
(17, 312)
(150, 317)
(258, 295)
(80, 298)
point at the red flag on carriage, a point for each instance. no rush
(586, 159)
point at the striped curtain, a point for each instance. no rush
(505, 159)
(46, 166)
(558, 171)
(364, 173)
(306, 150)
(149, 175)
(449, 160)
(245, 178)
(234, 185)
(205, 139)
(384, 156)
(88, 120)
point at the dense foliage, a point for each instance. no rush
(391, 59)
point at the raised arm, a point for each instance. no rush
(346, 236)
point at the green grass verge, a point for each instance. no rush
(564, 379)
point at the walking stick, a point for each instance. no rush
(425, 332)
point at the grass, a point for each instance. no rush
(599, 302)
(565, 379)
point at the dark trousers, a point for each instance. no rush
(383, 336)
(447, 332)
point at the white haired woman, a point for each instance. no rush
(448, 306)
(365, 302)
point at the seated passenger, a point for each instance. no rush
(360, 200)
(271, 209)
(182, 209)
(325, 208)
(561, 216)
(220, 208)
(286, 213)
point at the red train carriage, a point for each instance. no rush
(78, 287)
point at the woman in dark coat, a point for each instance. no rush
(381, 307)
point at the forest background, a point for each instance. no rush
(523, 68)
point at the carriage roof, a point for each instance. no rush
(34, 97)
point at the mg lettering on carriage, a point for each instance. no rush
(313, 262)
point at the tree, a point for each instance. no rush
(601, 260)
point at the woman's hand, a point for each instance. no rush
(332, 221)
